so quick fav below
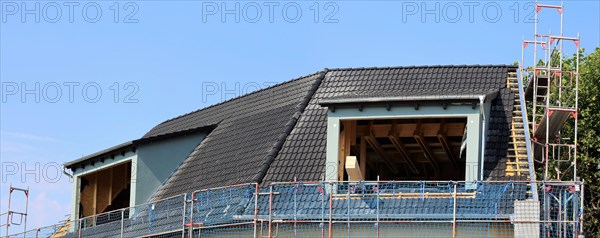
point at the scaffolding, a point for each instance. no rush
(16, 217)
(346, 209)
(552, 93)
(552, 207)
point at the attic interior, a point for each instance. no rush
(402, 149)
(105, 190)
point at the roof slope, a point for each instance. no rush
(279, 133)
(303, 153)
(249, 132)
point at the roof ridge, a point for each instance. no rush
(290, 125)
(425, 66)
(238, 97)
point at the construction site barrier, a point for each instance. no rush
(347, 209)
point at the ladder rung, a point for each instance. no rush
(518, 163)
(514, 170)
(549, 6)
(517, 156)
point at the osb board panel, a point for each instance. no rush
(104, 187)
(87, 195)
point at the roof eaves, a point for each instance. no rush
(132, 144)
(107, 151)
(463, 97)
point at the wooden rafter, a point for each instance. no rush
(408, 129)
(363, 156)
(444, 141)
(404, 154)
(347, 140)
(381, 152)
(426, 150)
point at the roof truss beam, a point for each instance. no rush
(381, 152)
(404, 154)
(447, 148)
(426, 150)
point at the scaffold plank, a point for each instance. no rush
(542, 87)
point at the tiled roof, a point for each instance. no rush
(250, 130)
(303, 153)
(279, 133)
(498, 135)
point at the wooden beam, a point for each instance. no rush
(341, 155)
(377, 147)
(408, 129)
(110, 192)
(404, 154)
(428, 154)
(353, 169)
(444, 141)
(363, 156)
(94, 203)
(352, 132)
(346, 142)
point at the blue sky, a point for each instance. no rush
(102, 79)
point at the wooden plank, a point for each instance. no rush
(407, 130)
(353, 169)
(404, 154)
(95, 194)
(341, 161)
(110, 189)
(363, 156)
(352, 132)
(361, 196)
(86, 197)
(344, 148)
(428, 154)
(377, 147)
(441, 135)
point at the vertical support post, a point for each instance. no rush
(255, 209)
(26, 212)
(546, 208)
(270, 209)
(535, 78)
(330, 210)
(560, 215)
(295, 206)
(183, 215)
(323, 212)
(547, 110)
(79, 230)
(8, 213)
(191, 224)
(348, 211)
(581, 207)
(576, 140)
(122, 221)
(37, 232)
(454, 211)
(377, 222)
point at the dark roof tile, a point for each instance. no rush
(340, 82)
(279, 133)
